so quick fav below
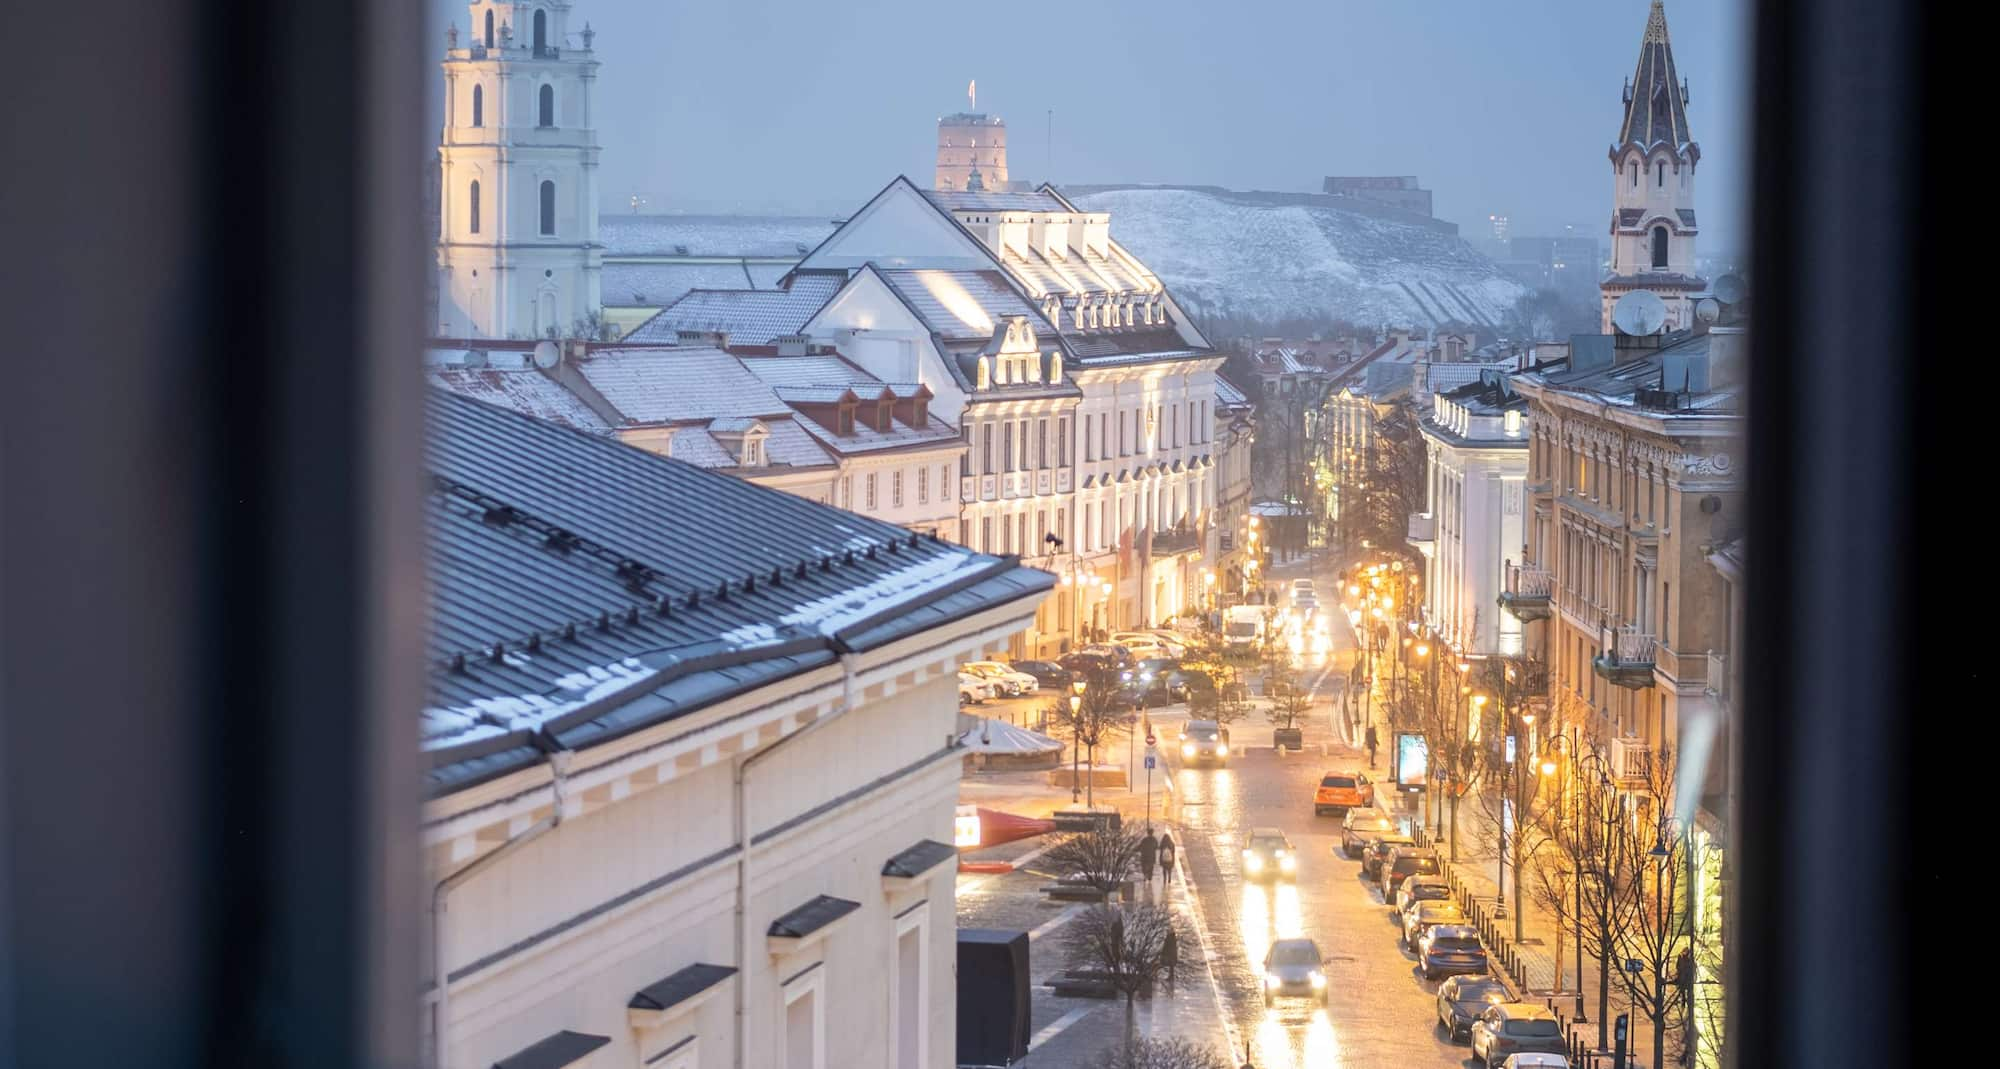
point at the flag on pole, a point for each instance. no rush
(972, 94)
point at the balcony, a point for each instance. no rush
(1178, 540)
(1631, 761)
(1718, 676)
(1423, 529)
(1527, 593)
(1626, 659)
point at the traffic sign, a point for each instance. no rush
(1150, 738)
(1149, 762)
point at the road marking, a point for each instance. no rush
(1055, 1027)
(1193, 899)
(1054, 922)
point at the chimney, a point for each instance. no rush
(793, 345)
(1728, 357)
(716, 338)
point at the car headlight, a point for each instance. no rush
(1271, 980)
(1288, 863)
(1222, 749)
(1318, 979)
(1187, 749)
(1252, 862)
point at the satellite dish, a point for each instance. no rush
(1708, 309)
(1730, 289)
(1639, 313)
(547, 356)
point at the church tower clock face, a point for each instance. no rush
(518, 253)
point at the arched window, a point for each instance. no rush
(548, 105)
(1659, 246)
(489, 29)
(549, 208)
(1660, 177)
(478, 106)
(1634, 169)
(541, 32)
(473, 205)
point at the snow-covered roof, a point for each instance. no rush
(656, 285)
(527, 391)
(991, 736)
(729, 236)
(582, 589)
(1227, 395)
(963, 305)
(1233, 256)
(1038, 201)
(667, 385)
(749, 317)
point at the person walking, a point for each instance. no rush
(1170, 955)
(1166, 858)
(1149, 853)
(1371, 745)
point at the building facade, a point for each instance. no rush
(690, 799)
(517, 253)
(1632, 480)
(1653, 162)
(1476, 469)
(969, 144)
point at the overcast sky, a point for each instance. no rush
(810, 106)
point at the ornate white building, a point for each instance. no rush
(1653, 163)
(517, 253)
(1476, 446)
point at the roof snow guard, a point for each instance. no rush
(582, 589)
(1656, 98)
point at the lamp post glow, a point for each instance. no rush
(1076, 743)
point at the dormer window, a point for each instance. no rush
(753, 451)
(845, 421)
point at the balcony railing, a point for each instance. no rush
(1178, 540)
(1527, 593)
(1423, 528)
(1626, 659)
(1631, 760)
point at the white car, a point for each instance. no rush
(1144, 645)
(1003, 679)
(972, 690)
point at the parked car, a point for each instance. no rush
(1416, 889)
(1097, 658)
(1425, 915)
(1461, 999)
(1515, 1028)
(1204, 740)
(1341, 791)
(1148, 644)
(1405, 861)
(1535, 1059)
(1005, 681)
(1450, 950)
(972, 690)
(1379, 850)
(1361, 827)
(1294, 968)
(1269, 855)
(1151, 668)
(1048, 673)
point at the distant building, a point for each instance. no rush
(972, 153)
(1652, 164)
(1476, 446)
(1553, 262)
(1499, 225)
(1397, 191)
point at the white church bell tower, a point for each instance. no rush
(517, 254)
(1653, 162)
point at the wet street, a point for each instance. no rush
(1380, 1010)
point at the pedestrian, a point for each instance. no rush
(1166, 857)
(1371, 745)
(1149, 852)
(1170, 954)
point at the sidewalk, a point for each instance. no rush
(1530, 964)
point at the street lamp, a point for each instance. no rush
(1567, 802)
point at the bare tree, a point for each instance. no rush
(1590, 844)
(1658, 937)
(1518, 809)
(1165, 1054)
(1089, 720)
(1224, 703)
(1124, 947)
(1104, 857)
(1290, 700)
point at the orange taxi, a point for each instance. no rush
(1341, 791)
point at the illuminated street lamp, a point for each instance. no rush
(1076, 744)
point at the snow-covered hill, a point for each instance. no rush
(1255, 256)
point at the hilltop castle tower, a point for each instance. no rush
(517, 254)
(971, 143)
(1652, 163)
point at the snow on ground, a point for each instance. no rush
(1229, 256)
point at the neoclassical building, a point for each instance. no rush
(1476, 469)
(517, 249)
